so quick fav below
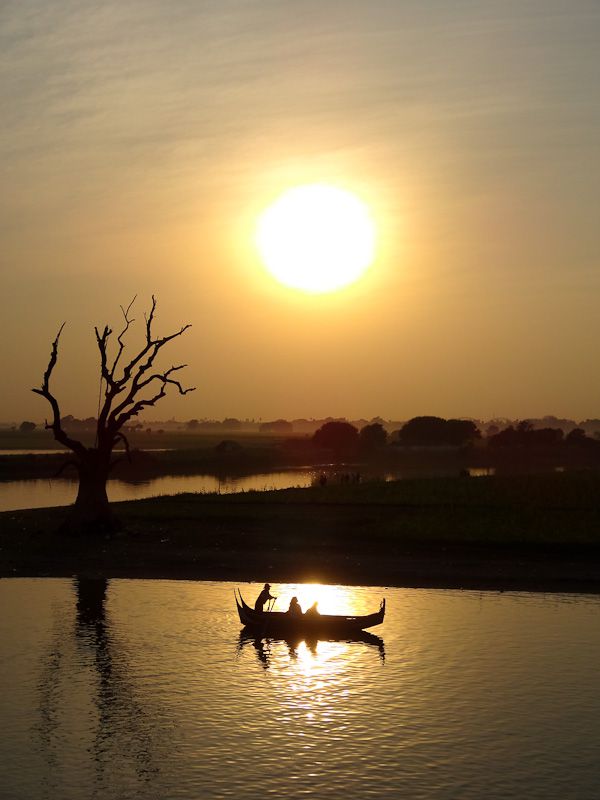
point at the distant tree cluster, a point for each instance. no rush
(212, 425)
(277, 426)
(372, 437)
(228, 447)
(340, 437)
(71, 423)
(283, 426)
(436, 432)
(27, 427)
(344, 439)
(525, 435)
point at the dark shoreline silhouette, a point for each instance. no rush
(530, 533)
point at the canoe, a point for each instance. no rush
(280, 622)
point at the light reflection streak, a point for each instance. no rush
(312, 658)
(332, 599)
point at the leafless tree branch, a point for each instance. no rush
(120, 339)
(143, 361)
(121, 437)
(55, 426)
(102, 340)
(62, 468)
(136, 377)
(140, 405)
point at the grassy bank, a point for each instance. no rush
(528, 532)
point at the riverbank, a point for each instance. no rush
(250, 455)
(534, 533)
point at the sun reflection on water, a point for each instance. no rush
(331, 599)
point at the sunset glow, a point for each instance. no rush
(332, 599)
(299, 320)
(316, 238)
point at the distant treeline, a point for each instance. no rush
(436, 430)
(423, 443)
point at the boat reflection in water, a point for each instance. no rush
(298, 647)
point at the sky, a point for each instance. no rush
(141, 140)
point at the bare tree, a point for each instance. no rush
(128, 390)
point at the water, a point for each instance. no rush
(59, 492)
(152, 694)
(52, 451)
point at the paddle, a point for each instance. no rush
(270, 605)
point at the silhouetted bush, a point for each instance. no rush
(341, 437)
(373, 437)
(524, 435)
(228, 446)
(436, 431)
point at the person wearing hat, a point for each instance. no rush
(263, 597)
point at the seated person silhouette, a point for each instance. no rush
(263, 597)
(313, 611)
(295, 608)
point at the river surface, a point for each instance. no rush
(59, 492)
(144, 689)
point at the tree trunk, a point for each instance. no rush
(91, 513)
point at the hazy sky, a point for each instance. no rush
(140, 140)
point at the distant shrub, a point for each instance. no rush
(341, 437)
(436, 431)
(228, 446)
(373, 436)
(277, 426)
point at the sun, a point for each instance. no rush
(316, 238)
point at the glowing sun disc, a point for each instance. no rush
(316, 238)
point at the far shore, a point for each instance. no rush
(528, 533)
(178, 454)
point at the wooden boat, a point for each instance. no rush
(282, 623)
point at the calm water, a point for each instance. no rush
(152, 694)
(58, 492)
